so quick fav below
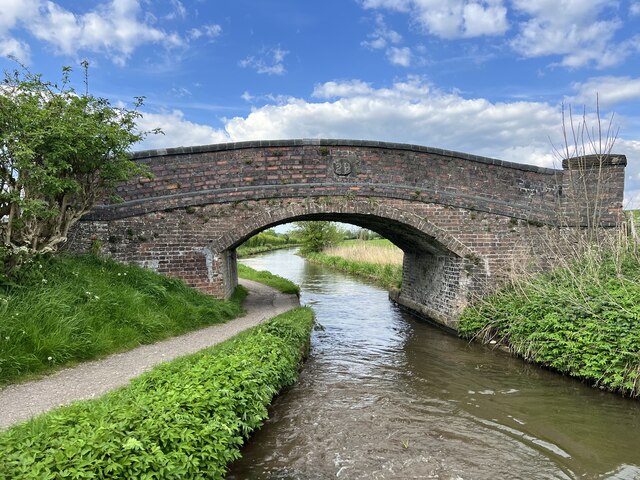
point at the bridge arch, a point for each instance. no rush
(462, 220)
(437, 267)
(405, 229)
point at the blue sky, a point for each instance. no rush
(487, 77)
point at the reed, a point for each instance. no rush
(378, 253)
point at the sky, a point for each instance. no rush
(487, 77)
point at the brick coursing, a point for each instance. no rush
(462, 220)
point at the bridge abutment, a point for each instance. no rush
(463, 221)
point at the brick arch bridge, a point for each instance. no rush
(462, 221)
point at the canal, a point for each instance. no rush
(384, 395)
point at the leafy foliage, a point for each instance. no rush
(317, 235)
(66, 309)
(583, 321)
(268, 278)
(265, 242)
(60, 152)
(184, 419)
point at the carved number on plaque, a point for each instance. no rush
(342, 167)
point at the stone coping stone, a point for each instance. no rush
(322, 142)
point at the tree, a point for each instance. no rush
(60, 152)
(316, 236)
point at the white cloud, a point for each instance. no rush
(12, 13)
(270, 61)
(609, 90)
(10, 47)
(179, 11)
(209, 31)
(573, 29)
(581, 32)
(382, 35)
(399, 56)
(453, 18)
(409, 111)
(113, 28)
(344, 89)
(384, 38)
(178, 131)
(631, 148)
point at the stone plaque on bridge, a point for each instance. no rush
(344, 165)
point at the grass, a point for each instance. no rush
(377, 260)
(582, 320)
(184, 419)
(243, 251)
(69, 309)
(268, 278)
(378, 252)
(387, 276)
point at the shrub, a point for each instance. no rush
(582, 320)
(184, 419)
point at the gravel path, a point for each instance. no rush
(92, 379)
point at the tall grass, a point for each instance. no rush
(66, 309)
(387, 276)
(377, 252)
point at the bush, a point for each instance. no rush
(60, 153)
(184, 419)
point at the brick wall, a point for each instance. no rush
(463, 221)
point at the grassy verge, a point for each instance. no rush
(243, 252)
(583, 321)
(268, 278)
(385, 275)
(184, 419)
(68, 309)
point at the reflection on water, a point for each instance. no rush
(386, 396)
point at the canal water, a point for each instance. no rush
(384, 395)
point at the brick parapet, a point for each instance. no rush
(464, 222)
(193, 176)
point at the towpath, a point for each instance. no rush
(92, 379)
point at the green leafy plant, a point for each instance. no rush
(184, 419)
(316, 236)
(582, 320)
(60, 152)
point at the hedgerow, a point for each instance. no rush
(583, 320)
(184, 419)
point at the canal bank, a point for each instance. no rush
(183, 419)
(92, 379)
(386, 395)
